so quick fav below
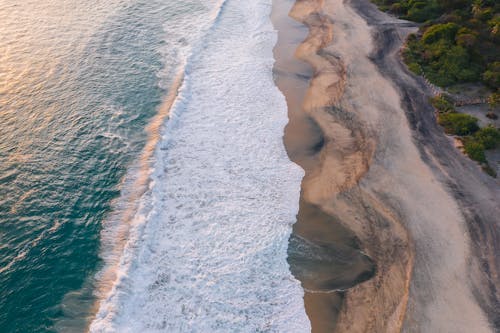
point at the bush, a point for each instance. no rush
(415, 68)
(484, 15)
(494, 99)
(492, 75)
(475, 150)
(442, 104)
(453, 4)
(458, 123)
(456, 63)
(443, 62)
(423, 11)
(494, 25)
(436, 32)
(466, 38)
(488, 136)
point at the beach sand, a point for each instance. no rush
(382, 180)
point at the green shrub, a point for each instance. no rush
(450, 64)
(436, 50)
(494, 25)
(466, 38)
(396, 8)
(492, 75)
(458, 123)
(412, 38)
(442, 104)
(456, 61)
(436, 32)
(415, 68)
(484, 15)
(494, 99)
(453, 4)
(423, 11)
(488, 136)
(475, 150)
(441, 78)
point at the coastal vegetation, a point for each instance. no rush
(458, 123)
(458, 42)
(475, 140)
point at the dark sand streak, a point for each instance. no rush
(478, 195)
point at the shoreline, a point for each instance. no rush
(376, 172)
(189, 266)
(121, 229)
(115, 236)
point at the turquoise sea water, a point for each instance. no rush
(79, 81)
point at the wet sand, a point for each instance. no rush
(381, 180)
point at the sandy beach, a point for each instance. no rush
(408, 221)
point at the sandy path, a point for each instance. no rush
(379, 174)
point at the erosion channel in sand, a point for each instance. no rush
(381, 243)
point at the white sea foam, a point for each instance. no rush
(207, 249)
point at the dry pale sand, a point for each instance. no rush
(381, 167)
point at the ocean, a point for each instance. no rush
(144, 185)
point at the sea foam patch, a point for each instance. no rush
(207, 251)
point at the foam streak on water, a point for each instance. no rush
(207, 250)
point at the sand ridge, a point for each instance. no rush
(370, 176)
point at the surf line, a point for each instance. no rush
(126, 214)
(116, 229)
